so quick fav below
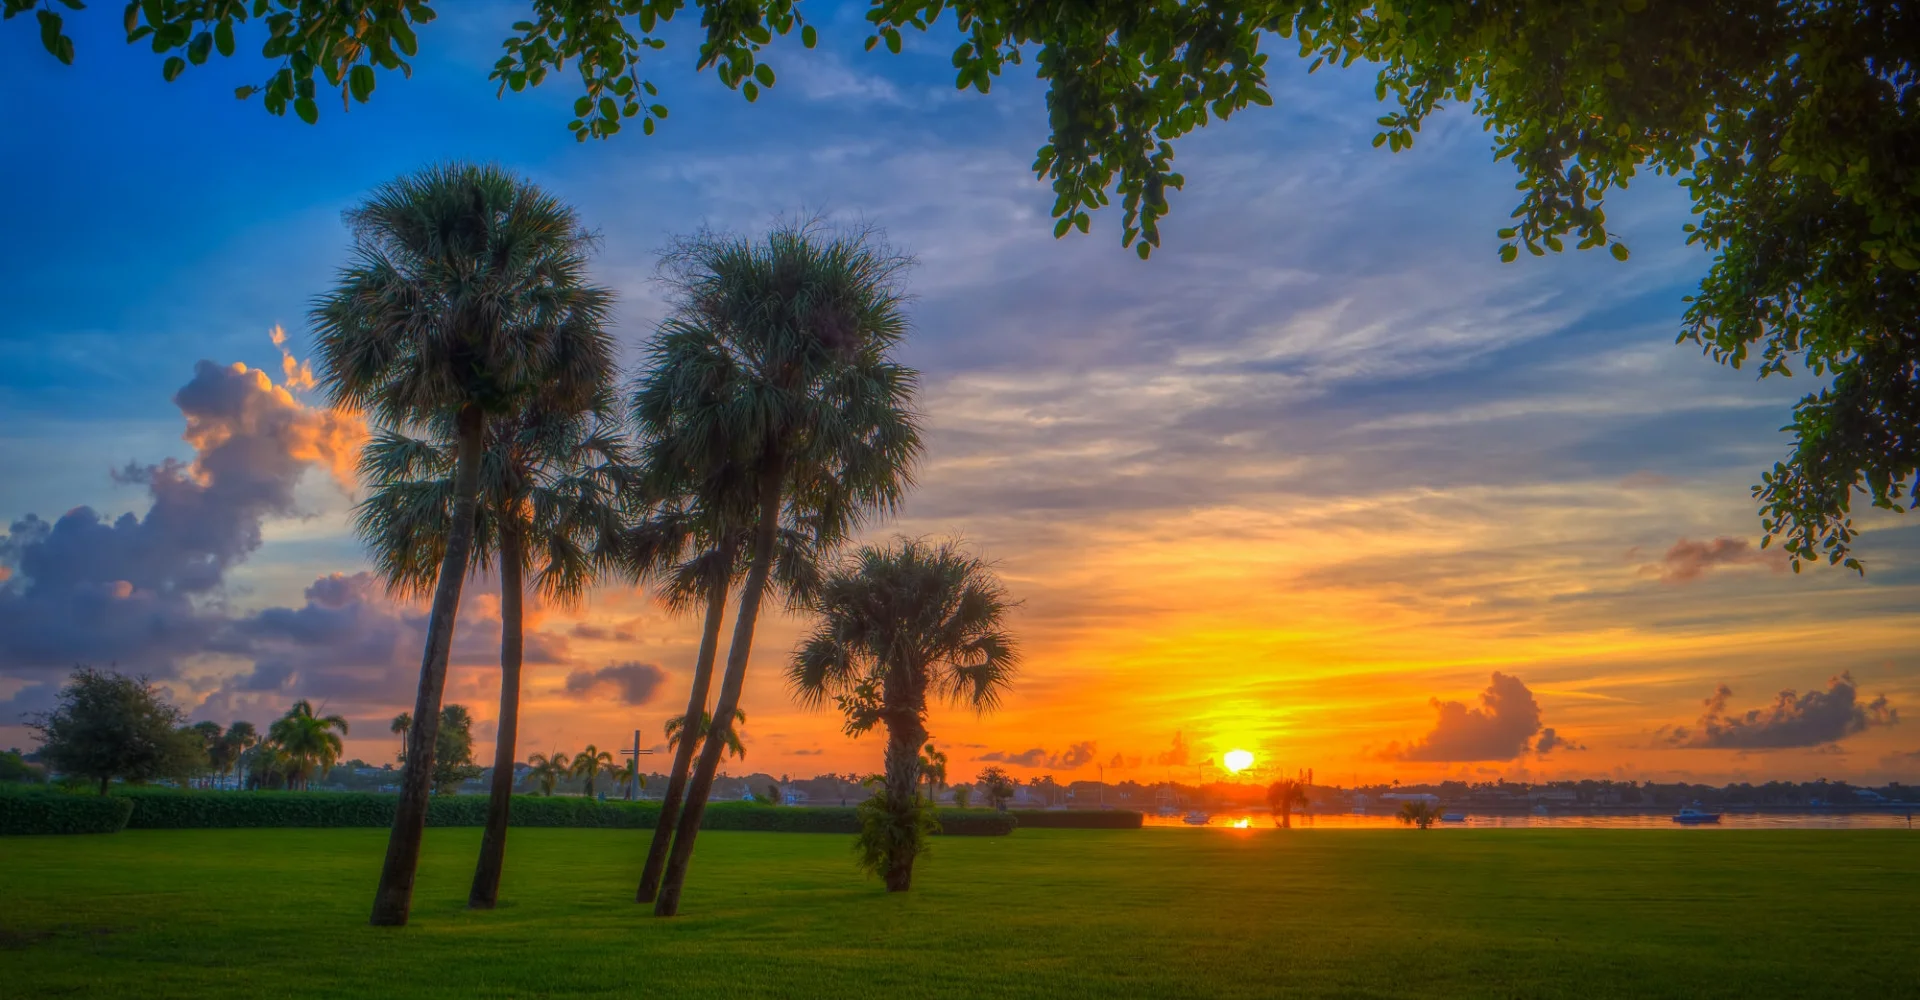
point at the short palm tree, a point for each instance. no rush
(308, 740)
(467, 293)
(548, 769)
(776, 366)
(1420, 814)
(677, 731)
(629, 777)
(1282, 797)
(401, 723)
(552, 488)
(589, 762)
(896, 625)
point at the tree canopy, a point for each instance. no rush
(1793, 126)
(108, 725)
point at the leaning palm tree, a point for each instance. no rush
(776, 360)
(677, 731)
(895, 625)
(308, 740)
(589, 763)
(552, 495)
(467, 294)
(548, 769)
(399, 726)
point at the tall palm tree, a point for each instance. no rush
(467, 294)
(629, 777)
(589, 762)
(777, 360)
(308, 740)
(548, 769)
(553, 485)
(1282, 796)
(933, 769)
(896, 624)
(677, 731)
(401, 723)
(234, 744)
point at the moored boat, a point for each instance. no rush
(1453, 816)
(1691, 815)
(1196, 818)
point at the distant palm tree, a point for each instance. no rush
(467, 294)
(548, 769)
(233, 746)
(551, 489)
(1420, 814)
(401, 723)
(629, 777)
(589, 762)
(676, 731)
(895, 625)
(777, 358)
(308, 740)
(933, 769)
(209, 734)
(1282, 796)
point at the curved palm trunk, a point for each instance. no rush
(493, 843)
(905, 736)
(395, 896)
(701, 784)
(683, 755)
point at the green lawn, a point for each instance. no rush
(1055, 914)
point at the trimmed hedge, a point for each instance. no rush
(26, 813)
(173, 809)
(1080, 819)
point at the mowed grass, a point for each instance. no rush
(1054, 914)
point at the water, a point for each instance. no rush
(1262, 820)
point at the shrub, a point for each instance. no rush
(38, 812)
(1079, 819)
(975, 822)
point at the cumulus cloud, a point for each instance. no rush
(633, 682)
(1550, 740)
(1500, 728)
(143, 590)
(1072, 758)
(1792, 720)
(1177, 755)
(1688, 560)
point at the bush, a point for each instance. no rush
(176, 809)
(1080, 819)
(37, 812)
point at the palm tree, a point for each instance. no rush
(308, 740)
(210, 735)
(1282, 796)
(777, 362)
(548, 769)
(588, 764)
(466, 294)
(933, 769)
(677, 729)
(552, 489)
(628, 776)
(896, 624)
(233, 746)
(1420, 814)
(401, 723)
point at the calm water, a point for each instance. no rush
(1261, 820)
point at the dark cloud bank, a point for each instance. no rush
(1501, 727)
(1813, 719)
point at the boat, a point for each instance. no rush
(1453, 816)
(1691, 815)
(1196, 818)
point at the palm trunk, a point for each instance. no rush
(493, 843)
(395, 896)
(701, 785)
(683, 755)
(905, 736)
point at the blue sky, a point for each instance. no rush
(1324, 451)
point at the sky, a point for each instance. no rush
(1323, 479)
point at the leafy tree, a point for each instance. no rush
(777, 357)
(896, 625)
(548, 769)
(589, 762)
(14, 769)
(961, 793)
(107, 725)
(453, 751)
(227, 751)
(401, 723)
(550, 507)
(1417, 813)
(998, 785)
(676, 732)
(466, 296)
(1790, 125)
(1282, 797)
(209, 735)
(308, 740)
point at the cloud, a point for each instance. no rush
(1499, 729)
(1121, 761)
(1792, 720)
(145, 591)
(1073, 758)
(1177, 756)
(815, 752)
(600, 633)
(1689, 560)
(1550, 741)
(633, 682)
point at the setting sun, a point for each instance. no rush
(1237, 760)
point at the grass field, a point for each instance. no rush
(1056, 914)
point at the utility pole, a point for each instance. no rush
(633, 786)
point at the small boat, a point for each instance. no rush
(1196, 818)
(1453, 816)
(1691, 815)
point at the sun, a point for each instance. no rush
(1237, 760)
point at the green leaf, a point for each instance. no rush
(1509, 253)
(1619, 251)
(172, 68)
(223, 38)
(764, 74)
(809, 37)
(200, 48)
(646, 126)
(360, 82)
(308, 111)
